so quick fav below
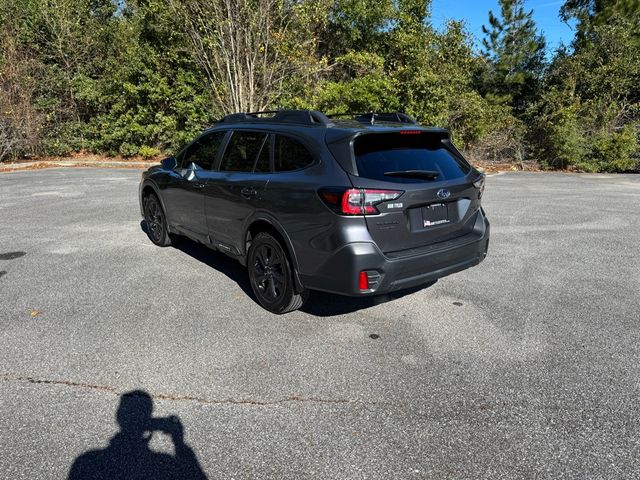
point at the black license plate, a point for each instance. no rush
(435, 214)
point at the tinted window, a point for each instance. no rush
(380, 153)
(263, 163)
(290, 154)
(242, 151)
(203, 151)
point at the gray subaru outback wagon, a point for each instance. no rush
(358, 204)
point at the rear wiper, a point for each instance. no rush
(428, 174)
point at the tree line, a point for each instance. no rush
(141, 77)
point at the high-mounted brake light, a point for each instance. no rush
(410, 132)
(357, 201)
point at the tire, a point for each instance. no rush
(271, 275)
(156, 221)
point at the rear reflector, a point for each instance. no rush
(363, 281)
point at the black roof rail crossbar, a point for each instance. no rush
(305, 117)
(372, 117)
(237, 117)
(263, 112)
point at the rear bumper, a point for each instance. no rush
(399, 270)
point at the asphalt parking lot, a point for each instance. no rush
(526, 366)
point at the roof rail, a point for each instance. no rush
(372, 117)
(304, 117)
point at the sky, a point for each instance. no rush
(476, 13)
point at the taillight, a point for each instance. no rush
(479, 184)
(352, 202)
(357, 201)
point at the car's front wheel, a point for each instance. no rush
(271, 275)
(156, 221)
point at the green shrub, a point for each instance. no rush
(556, 135)
(612, 152)
(148, 152)
(128, 149)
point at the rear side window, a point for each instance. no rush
(377, 154)
(203, 151)
(242, 151)
(290, 154)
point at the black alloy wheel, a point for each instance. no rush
(156, 221)
(271, 275)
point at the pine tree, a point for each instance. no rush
(593, 13)
(584, 10)
(514, 51)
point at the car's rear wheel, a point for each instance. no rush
(156, 221)
(271, 275)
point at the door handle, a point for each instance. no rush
(248, 192)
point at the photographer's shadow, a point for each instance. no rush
(128, 455)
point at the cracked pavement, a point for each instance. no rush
(525, 366)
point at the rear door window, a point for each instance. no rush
(263, 164)
(203, 151)
(243, 151)
(290, 154)
(377, 154)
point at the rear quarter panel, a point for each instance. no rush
(314, 230)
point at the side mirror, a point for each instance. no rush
(191, 173)
(169, 163)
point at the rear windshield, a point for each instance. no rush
(377, 154)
